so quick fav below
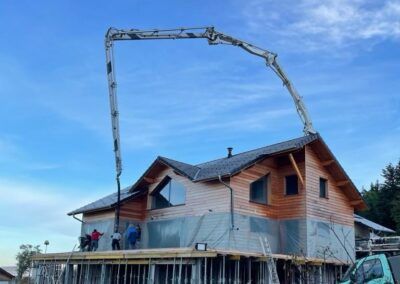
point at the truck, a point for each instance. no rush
(374, 269)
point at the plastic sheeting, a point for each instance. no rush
(302, 237)
(330, 241)
(105, 226)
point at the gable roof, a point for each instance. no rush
(232, 165)
(187, 170)
(7, 273)
(224, 167)
(105, 203)
(372, 225)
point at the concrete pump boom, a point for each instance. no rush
(214, 37)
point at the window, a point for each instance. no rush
(369, 270)
(323, 188)
(168, 193)
(258, 190)
(372, 269)
(291, 185)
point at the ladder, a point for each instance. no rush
(270, 261)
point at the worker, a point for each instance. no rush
(95, 239)
(138, 235)
(116, 238)
(131, 235)
(85, 242)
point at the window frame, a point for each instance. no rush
(375, 261)
(166, 181)
(265, 178)
(285, 185)
(325, 180)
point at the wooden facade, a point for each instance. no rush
(310, 164)
(336, 207)
(212, 196)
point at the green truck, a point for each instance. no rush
(374, 269)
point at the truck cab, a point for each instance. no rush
(373, 269)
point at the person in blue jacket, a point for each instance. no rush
(131, 236)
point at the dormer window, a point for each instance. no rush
(259, 190)
(168, 193)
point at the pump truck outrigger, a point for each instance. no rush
(213, 37)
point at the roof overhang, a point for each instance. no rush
(333, 166)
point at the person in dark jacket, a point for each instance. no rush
(85, 242)
(131, 236)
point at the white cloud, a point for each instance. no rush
(314, 24)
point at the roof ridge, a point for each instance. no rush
(257, 149)
(166, 158)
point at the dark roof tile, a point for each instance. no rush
(105, 203)
(230, 166)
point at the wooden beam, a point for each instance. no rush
(327, 163)
(356, 202)
(342, 182)
(149, 180)
(296, 168)
(234, 257)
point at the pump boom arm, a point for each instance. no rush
(214, 37)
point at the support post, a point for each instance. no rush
(104, 274)
(151, 274)
(196, 272)
(69, 272)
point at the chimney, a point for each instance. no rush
(230, 152)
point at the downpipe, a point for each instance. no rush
(76, 218)
(232, 209)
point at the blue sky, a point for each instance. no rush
(181, 99)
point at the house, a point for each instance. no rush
(373, 237)
(364, 228)
(7, 276)
(288, 207)
(295, 193)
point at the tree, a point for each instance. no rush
(384, 199)
(371, 197)
(24, 258)
(395, 213)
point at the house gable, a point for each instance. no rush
(280, 205)
(336, 206)
(201, 197)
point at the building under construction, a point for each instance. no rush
(283, 213)
(287, 206)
